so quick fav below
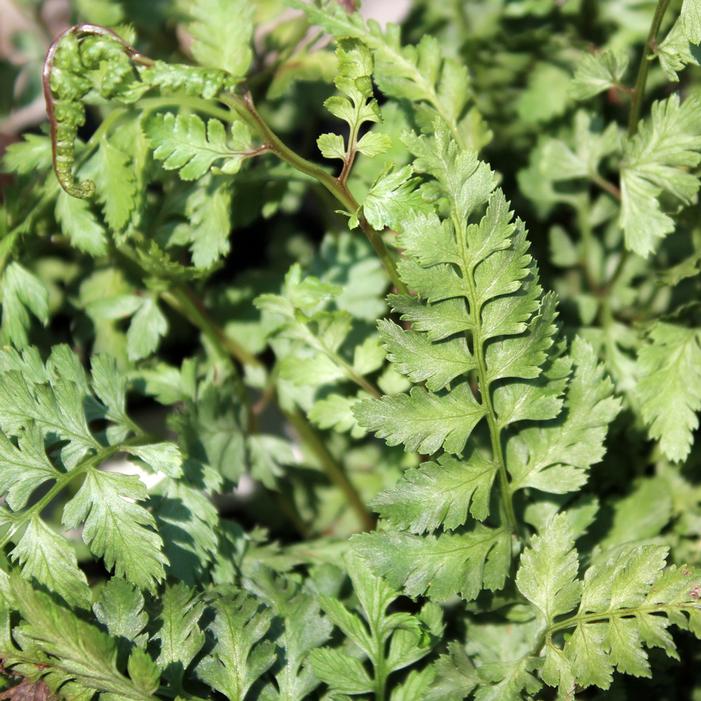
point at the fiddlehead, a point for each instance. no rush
(66, 81)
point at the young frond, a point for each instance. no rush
(439, 86)
(355, 106)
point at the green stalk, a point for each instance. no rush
(186, 303)
(331, 467)
(380, 681)
(641, 80)
(354, 376)
(618, 613)
(348, 370)
(244, 107)
(149, 104)
(507, 506)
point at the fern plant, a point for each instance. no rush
(343, 360)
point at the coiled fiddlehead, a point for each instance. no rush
(66, 81)
(88, 57)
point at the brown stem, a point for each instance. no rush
(265, 148)
(347, 165)
(606, 185)
(351, 153)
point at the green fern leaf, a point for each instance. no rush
(179, 634)
(304, 630)
(183, 143)
(76, 658)
(670, 387)
(424, 422)
(240, 655)
(80, 225)
(355, 106)
(22, 294)
(416, 73)
(46, 557)
(439, 494)
(597, 73)
(440, 566)
(116, 185)
(116, 528)
(657, 161)
(46, 438)
(556, 457)
(391, 641)
(120, 608)
(625, 602)
(498, 332)
(221, 32)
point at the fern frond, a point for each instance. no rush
(482, 350)
(390, 641)
(670, 386)
(625, 603)
(47, 440)
(420, 74)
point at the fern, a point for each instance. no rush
(670, 362)
(183, 144)
(47, 408)
(482, 314)
(655, 162)
(390, 641)
(293, 406)
(419, 74)
(213, 45)
(626, 600)
(76, 657)
(356, 107)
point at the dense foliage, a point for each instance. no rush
(343, 361)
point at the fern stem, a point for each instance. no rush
(186, 303)
(641, 80)
(183, 300)
(331, 467)
(351, 151)
(607, 186)
(507, 506)
(380, 681)
(355, 377)
(244, 107)
(149, 104)
(618, 613)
